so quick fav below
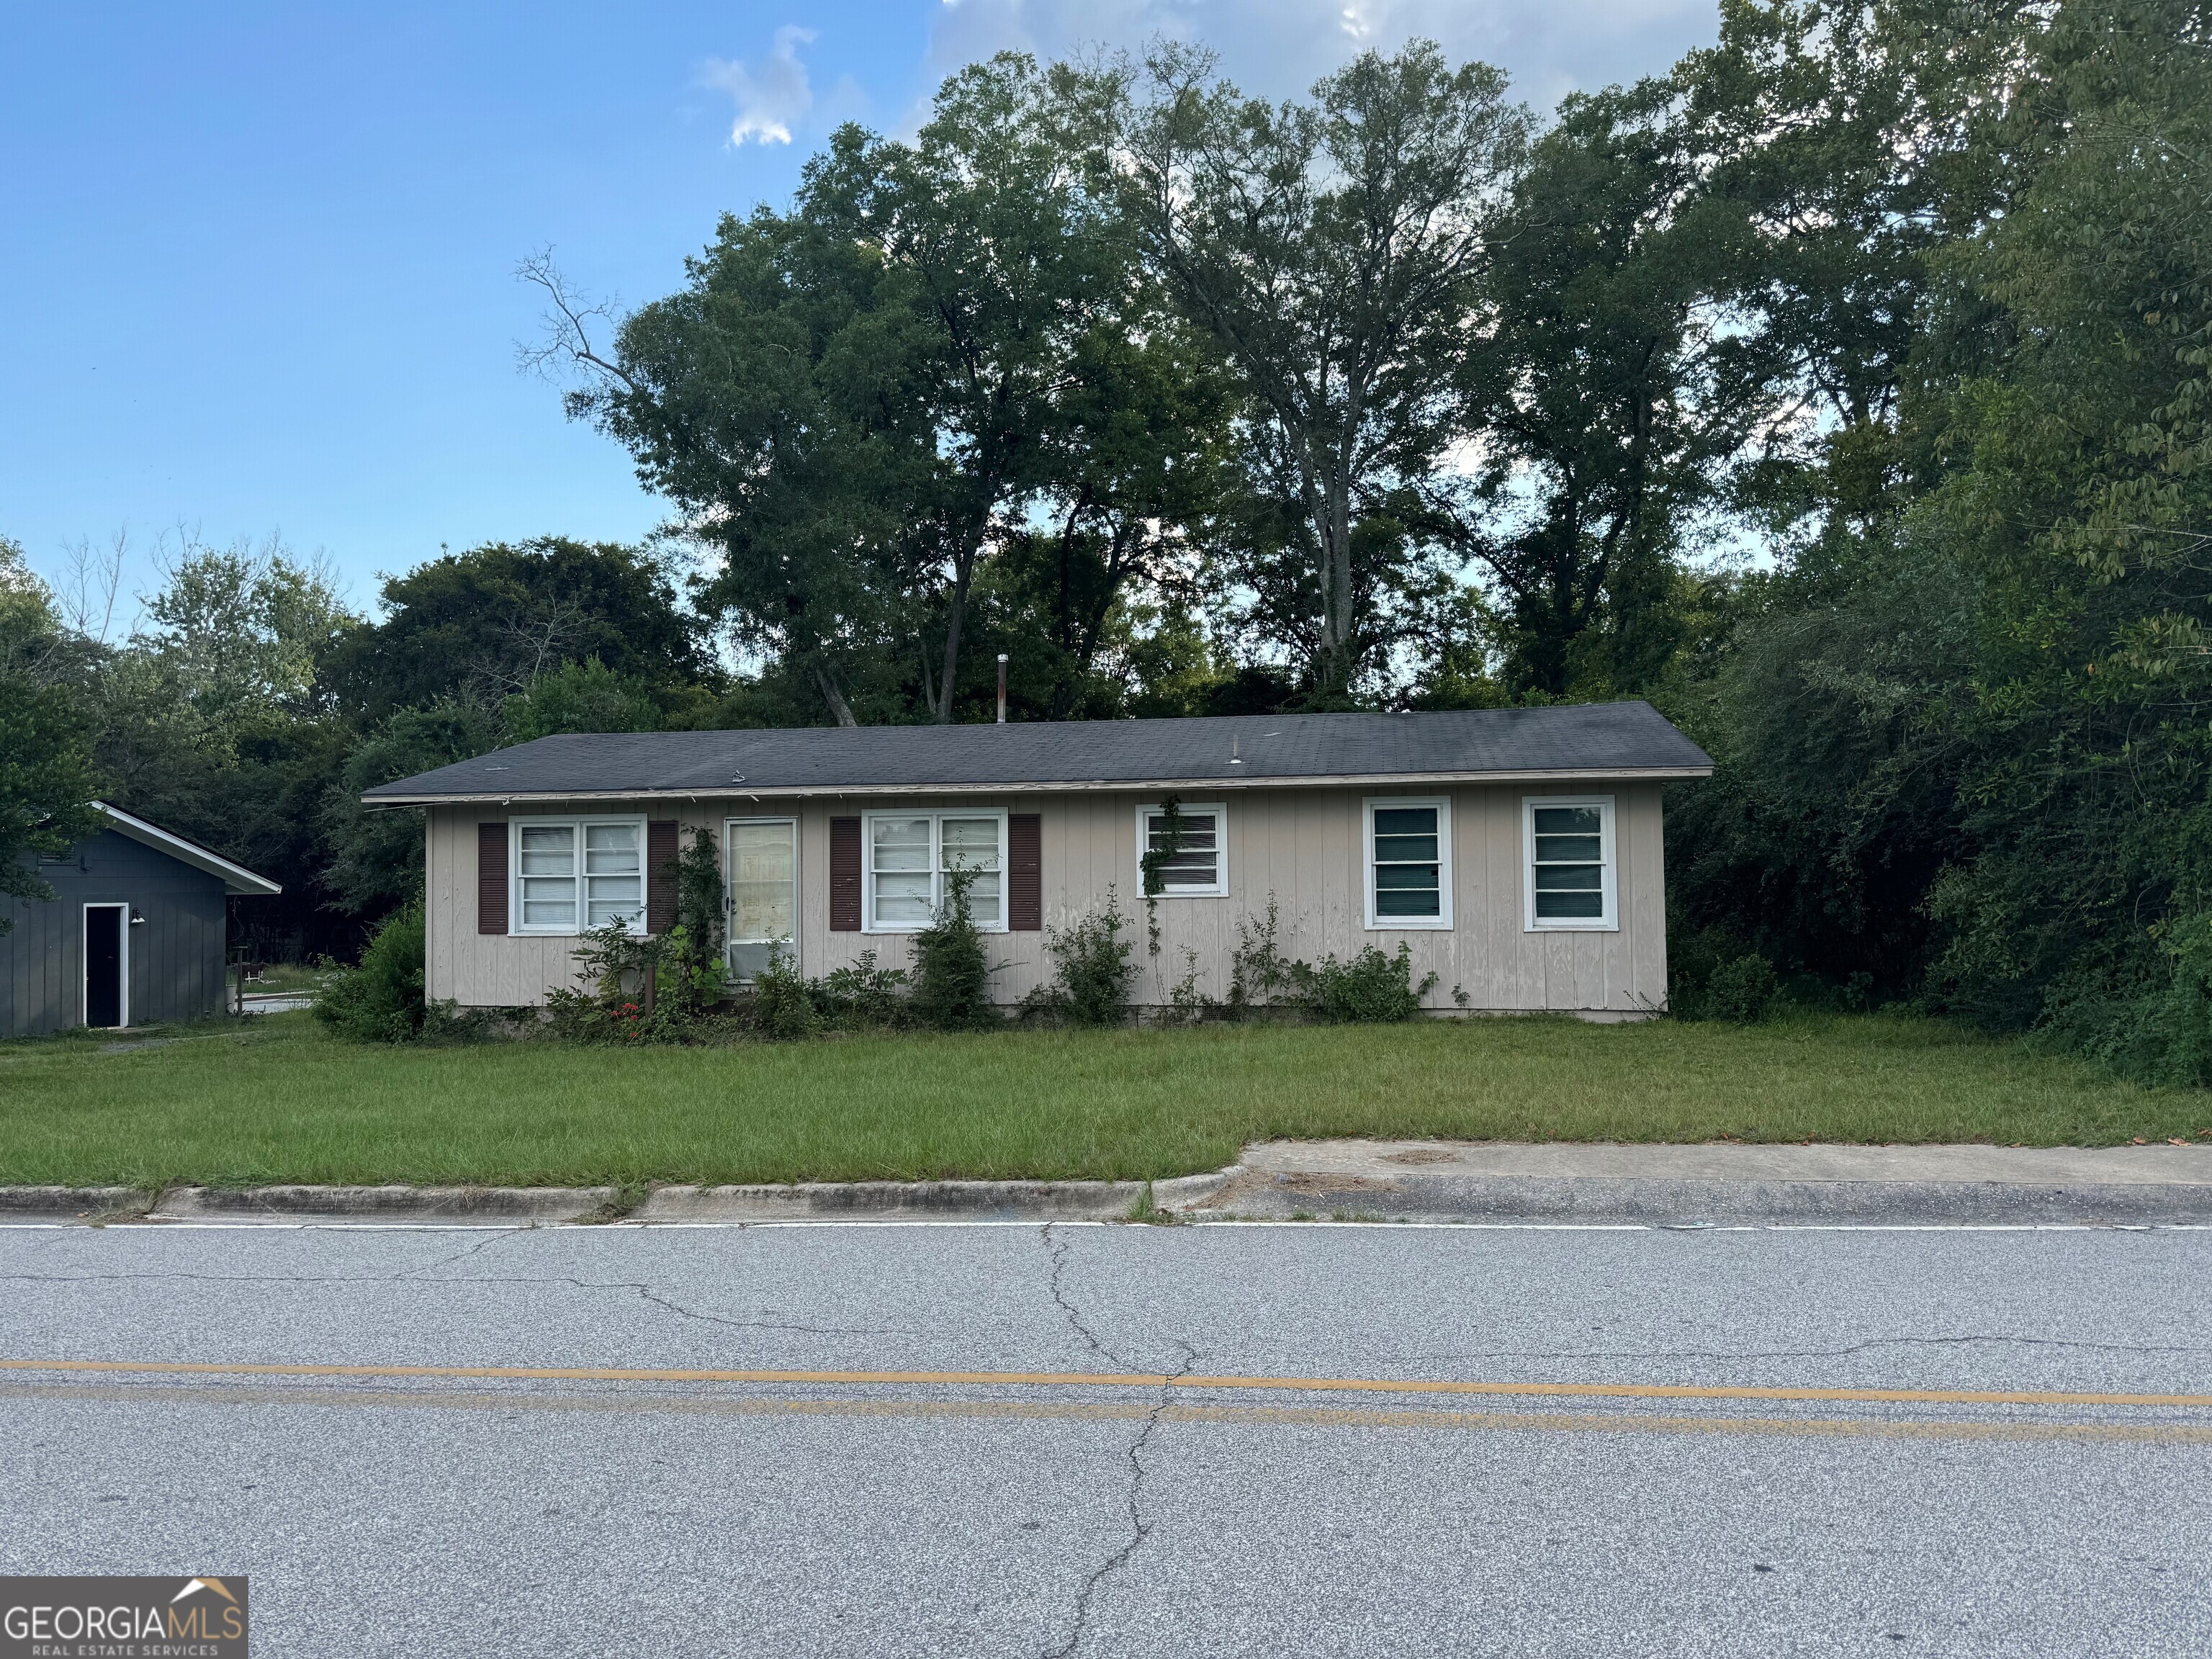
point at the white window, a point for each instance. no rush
(573, 874)
(1198, 868)
(906, 857)
(1568, 854)
(764, 873)
(1408, 856)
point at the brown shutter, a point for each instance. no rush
(1024, 872)
(844, 875)
(491, 878)
(660, 854)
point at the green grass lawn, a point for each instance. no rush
(275, 1099)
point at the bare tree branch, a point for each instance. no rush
(565, 347)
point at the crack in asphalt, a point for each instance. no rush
(645, 1292)
(1132, 1504)
(739, 1324)
(1057, 1248)
(482, 1245)
(1132, 1497)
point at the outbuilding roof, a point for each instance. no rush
(1582, 742)
(235, 878)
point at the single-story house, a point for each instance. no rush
(135, 932)
(1518, 851)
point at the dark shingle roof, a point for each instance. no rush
(1614, 740)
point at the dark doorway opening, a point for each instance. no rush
(103, 964)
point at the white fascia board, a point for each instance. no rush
(236, 877)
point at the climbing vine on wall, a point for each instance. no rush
(1154, 864)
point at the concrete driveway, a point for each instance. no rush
(967, 1442)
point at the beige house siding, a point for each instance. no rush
(1304, 847)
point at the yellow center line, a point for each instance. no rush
(1112, 1379)
(504, 1404)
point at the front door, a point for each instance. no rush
(106, 939)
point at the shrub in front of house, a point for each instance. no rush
(781, 1007)
(1371, 989)
(862, 996)
(1743, 992)
(947, 988)
(952, 976)
(662, 988)
(380, 1000)
(1092, 970)
(1259, 975)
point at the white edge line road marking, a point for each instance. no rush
(139, 1225)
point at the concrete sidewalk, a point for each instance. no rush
(1720, 1184)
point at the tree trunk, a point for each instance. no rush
(835, 698)
(963, 572)
(1336, 665)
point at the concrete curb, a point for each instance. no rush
(521, 1205)
(1554, 1183)
(864, 1201)
(869, 1201)
(71, 1203)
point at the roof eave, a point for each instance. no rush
(236, 877)
(794, 791)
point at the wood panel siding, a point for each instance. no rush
(1024, 872)
(176, 946)
(491, 877)
(1301, 847)
(662, 846)
(844, 877)
(41, 959)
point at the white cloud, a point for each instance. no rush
(1279, 47)
(770, 96)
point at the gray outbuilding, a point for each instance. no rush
(135, 933)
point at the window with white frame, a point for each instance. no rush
(764, 873)
(1408, 848)
(573, 874)
(1198, 866)
(908, 856)
(1570, 860)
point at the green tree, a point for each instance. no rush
(1966, 745)
(1612, 401)
(1855, 138)
(212, 720)
(376, 855)
(1331, 249)
(238, 635)
(2082, 500)
(1134, 475)
(773, 401)
(578, 697)
(47, 781)
(859, 402)
(488, 622)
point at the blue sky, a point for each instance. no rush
(257, 260)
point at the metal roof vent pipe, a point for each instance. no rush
(1002, 688)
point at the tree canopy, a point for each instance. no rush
(1843, 390)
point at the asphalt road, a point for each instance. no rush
(380, 1511)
